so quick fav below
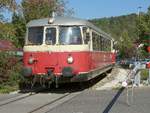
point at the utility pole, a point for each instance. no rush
(137, 64)
(139, 17)
(149, 77)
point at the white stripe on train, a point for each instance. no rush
(55, 48)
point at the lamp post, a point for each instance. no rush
(139, 22)
(137, 77)
(139, 17)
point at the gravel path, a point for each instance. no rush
(113, 79)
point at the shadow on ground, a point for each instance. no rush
(63, 88)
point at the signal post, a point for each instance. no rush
(148, 64)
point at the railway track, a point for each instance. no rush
(40, 101)
(35, 103)
(66, 97)
(20, 97)
(49, 106)
(14, 99)
(34, 110)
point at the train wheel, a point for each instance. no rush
(25, 83)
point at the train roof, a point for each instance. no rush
(66, 21)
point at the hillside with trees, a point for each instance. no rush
(128, 31)
(116, 26)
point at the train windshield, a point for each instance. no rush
(50, 36)
(70, 35)
(35, 36)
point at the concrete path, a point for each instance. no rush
(107, 102)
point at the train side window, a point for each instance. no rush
(109, 47)
(86, 35)
(50, 36)
(108, 43)
(102, 44)
(105, 44)
(94, 40)
(35, 36)
(99, 43)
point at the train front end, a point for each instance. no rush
(55, 53)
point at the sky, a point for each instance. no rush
(89, 9)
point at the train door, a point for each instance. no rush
(50, 40)
(87, 39)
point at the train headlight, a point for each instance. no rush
(70, 60)
(50, 20)
(31, 60)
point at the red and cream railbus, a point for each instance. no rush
(63, 49)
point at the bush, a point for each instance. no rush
(144, 74)
(10, 71)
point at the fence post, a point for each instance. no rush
(137, 79)
(149, 77)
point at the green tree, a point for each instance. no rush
(125, 46)
(7, 32)
(9, 4)
(116, 25)
(6, 29)
(35, 9)
(20, 28)
(143, 28)
(143, 24)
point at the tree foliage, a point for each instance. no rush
(33, 9)
(126, 46)
(19, 26)
(7, 31)
(143, 24)
(24, 12)
(116, 25)
(9, 4)
(143, 28)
